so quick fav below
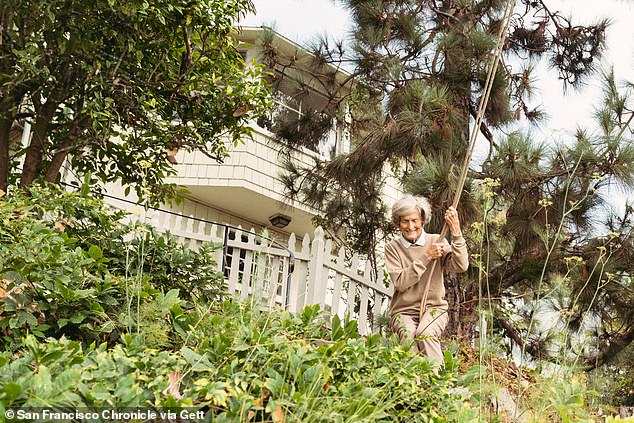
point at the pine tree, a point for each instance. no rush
(548, 252)
(419, 73)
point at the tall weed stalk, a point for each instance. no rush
(567, 396)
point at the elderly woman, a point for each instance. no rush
(409, 260)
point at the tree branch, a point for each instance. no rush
(528, 347)
(484, 129)
(610, 349)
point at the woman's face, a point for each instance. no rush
(411, 225)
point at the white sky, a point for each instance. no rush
(302, 20)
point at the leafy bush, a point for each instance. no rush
(240, 364)
(68, 266)
(95, 313)
(61, 374)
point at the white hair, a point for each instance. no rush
(409, 203)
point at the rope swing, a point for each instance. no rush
(484, 100)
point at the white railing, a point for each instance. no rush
(290, 276)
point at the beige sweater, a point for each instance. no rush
(409, 270)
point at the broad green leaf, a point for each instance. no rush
(95, 252)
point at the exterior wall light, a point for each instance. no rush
(170, 155)
(279, 220)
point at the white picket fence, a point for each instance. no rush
(284, 275)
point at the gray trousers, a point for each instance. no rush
(426, 333)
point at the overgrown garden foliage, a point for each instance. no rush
(112, 85)
(239, 364)
(69, 267)
(97, 313)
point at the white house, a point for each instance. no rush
(246, 189)
(231, 203)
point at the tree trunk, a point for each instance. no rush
(62, 152)
(5, 130)
(463, 310)
(36, 149)
(58, 160)
(609, 350)
(8, 106)
(462, 296)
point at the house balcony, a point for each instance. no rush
(247, 184)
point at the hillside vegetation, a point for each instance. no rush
(100, 314)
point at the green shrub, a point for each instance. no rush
(95, 313)
(70, 267)
(242, 364)
(61, 374)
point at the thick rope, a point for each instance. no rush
(484, 100)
